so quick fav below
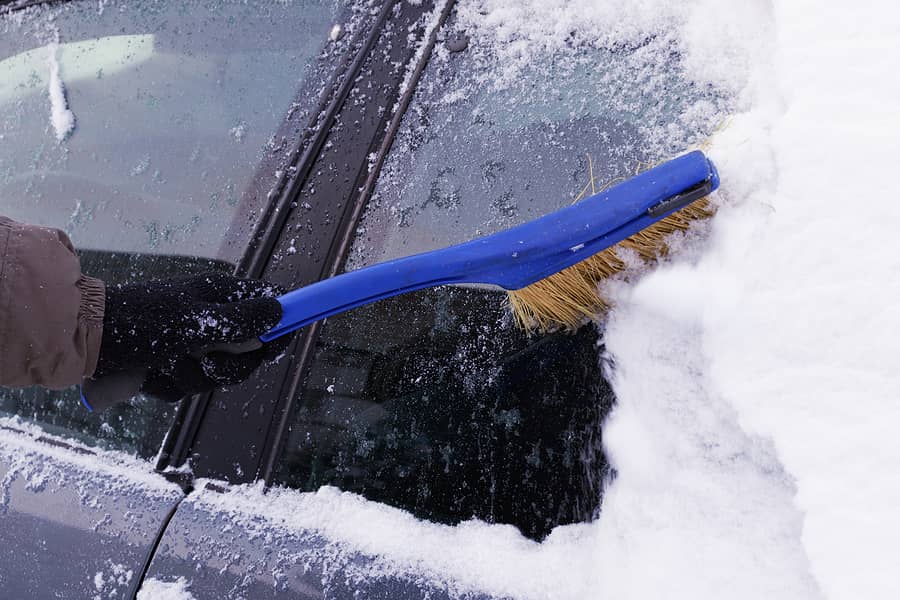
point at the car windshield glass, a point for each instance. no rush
(145, 131)
(433, 402)
(140, 127)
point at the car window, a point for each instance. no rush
(139, 129)
(169, 105)
(489, 142)
(433, 402)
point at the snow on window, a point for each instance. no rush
(61, 117)
(110, 582)
(156, 589)
(506, 129)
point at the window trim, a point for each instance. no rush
(345, 236)
(245, 449)
(192, 411)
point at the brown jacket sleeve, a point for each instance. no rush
(51, 315)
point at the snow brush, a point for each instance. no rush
(551, 266)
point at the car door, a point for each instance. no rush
(151, 134)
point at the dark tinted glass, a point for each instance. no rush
(432, 402)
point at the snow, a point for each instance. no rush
(779, 330)
(24, 451)
(470, 557)
(155, 589)
(238, 132)
(109, 585)
(810, 362)
(62, 119)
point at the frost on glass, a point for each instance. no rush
(513, 126)
(147, 132)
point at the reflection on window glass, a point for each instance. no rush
(433, 403)
(173, 106)
(138, 129)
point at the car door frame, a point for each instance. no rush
(329, 177)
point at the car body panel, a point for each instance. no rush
(235, 543)
(77, 522)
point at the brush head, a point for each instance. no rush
(565, 300)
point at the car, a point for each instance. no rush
(292, 141)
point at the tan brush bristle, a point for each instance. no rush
(566, 299)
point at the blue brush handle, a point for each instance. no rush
(516, 257)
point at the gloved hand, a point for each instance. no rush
(166, 327)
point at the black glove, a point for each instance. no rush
(167, 328)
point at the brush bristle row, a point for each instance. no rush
(564, 300)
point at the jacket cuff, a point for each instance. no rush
(90, 315)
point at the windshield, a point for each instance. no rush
(141, 127)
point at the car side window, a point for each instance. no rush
(433, 402)
(140, 130)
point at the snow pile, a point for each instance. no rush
(806, 347)
(780, 332)
(154, 589)
(62, 119)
